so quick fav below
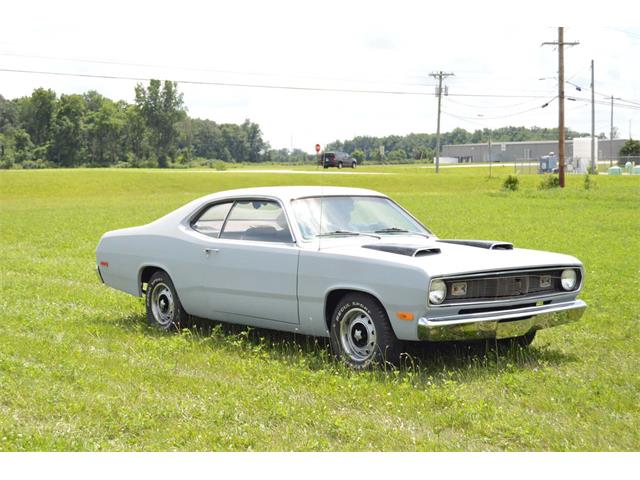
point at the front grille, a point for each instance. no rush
(504, 285)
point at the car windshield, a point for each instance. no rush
(345, 216)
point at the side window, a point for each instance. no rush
(211, 220)
(258, 220)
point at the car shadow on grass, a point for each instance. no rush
(422, 361)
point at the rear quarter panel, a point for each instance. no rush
(129, 251)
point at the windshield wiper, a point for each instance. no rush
(401, 230)
(346, 233)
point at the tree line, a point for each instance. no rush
(422, 146)
(47, 130)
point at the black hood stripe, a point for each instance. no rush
(487, 244)
(408, 250)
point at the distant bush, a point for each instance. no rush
(219, 165)
(588, 183)
(35, 164)
(511, 183)
(6, 164)
(149, 163)
(549, 182)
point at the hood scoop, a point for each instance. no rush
(487, 244)
(407, 250)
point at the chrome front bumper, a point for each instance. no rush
(500, 324)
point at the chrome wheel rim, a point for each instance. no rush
(162, 304)
(358, 335)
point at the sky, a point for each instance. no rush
(493, 49)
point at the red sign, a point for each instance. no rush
(317, 148)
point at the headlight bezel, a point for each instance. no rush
(437, 282)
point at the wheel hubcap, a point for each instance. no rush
(162, 304)
(358, 335)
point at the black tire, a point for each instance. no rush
(339, 164)
(353, 164)
(360, 333)
(517, 342)
(164, 310)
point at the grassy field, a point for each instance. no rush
(80, 370)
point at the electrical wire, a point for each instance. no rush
(481, 107)
(198, 69)
(514, 114)
(266, 86)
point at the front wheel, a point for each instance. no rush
(353, 165)
(339, 164)
(360, 333)
(164, 309)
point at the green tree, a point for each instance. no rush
(255, 145)
(23, 146)
(67, 140)
(631, 148)
(135, 135)
(161, 106)
(105, 129)
(397, 156)
(8, 114)
(358, 154)
(36, 115)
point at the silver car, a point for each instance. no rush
(344, 263)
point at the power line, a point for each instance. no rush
(197, 69)
(464, 119)
(267, 86)
(222, 84)
(514, 114)
(482, 107)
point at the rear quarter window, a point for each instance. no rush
(210, 221)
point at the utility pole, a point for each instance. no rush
(439, 75)
(489, 155)
(593, 123)
(560, 44)
(611, 133)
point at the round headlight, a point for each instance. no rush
(569, 279)
(437, 292)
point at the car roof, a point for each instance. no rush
(286, 193)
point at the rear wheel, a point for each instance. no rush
(339, 164)
(164, 309)
(360, 333)
(353, 164)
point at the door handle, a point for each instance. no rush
(208, 251)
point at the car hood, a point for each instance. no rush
(440, 258)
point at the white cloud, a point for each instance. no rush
(354, 45)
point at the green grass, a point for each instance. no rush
(80, 370)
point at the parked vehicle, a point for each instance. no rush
(349, 264)
(338, 160)
(548, 163)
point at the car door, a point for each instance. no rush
(249, 268)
